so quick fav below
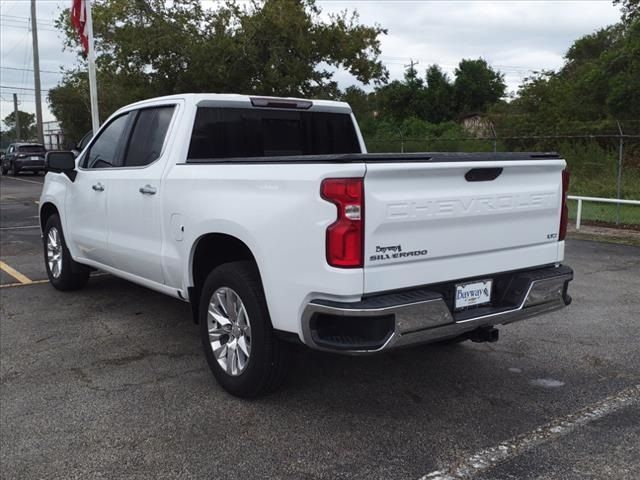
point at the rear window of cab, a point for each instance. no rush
(242, 132)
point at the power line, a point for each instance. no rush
(17, 44)
(21, 27)
(15, 87)
(16, 18)
(29, 70)
(12, 7)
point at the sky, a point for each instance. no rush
(515, 37)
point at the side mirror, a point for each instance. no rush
(61, 162)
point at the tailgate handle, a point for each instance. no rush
(482, 174)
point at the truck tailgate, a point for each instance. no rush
(428, 222)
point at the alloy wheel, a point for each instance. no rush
(54, 252)
(229, 331)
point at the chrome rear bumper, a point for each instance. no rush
(424, 315)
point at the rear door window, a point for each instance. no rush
(240, 132)
(149, 131)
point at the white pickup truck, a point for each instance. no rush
(270, 218)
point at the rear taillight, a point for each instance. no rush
(564, 213)
(345, 235)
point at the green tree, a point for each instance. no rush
(359, 100)
(630, 10)
(435, 98)
(439, 95)
(599, 80)
(477, 86)
(403, 99)
(27, 126)
(147, 48)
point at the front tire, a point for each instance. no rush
(239, 343)
(63, 272)
(14, 172)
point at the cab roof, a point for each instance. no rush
(247, 101)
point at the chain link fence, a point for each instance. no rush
(604, 161)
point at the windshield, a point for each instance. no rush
(31, 149)
(241, 132)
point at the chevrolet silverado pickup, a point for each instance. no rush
(270, 218)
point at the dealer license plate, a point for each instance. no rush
(472, 294)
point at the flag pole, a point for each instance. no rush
(91, 57)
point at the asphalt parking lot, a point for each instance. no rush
(110, 382)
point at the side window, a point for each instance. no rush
(147, 138)
(105, 151)
(85, 140)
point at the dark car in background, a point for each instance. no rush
(23, 157)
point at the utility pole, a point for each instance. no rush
(36, 71)
(412, 64)
(412, 74)
(16, 117)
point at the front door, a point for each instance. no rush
(86, 200)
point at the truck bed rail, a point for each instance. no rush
(430, 157)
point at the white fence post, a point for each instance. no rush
(578, 214)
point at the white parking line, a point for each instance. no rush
(23, 180)
(19, 228)
(471, 466)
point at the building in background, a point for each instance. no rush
(53, 138)
(477, 125)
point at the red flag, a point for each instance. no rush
(79, 20)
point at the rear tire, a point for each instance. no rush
(240, 324)
(63, 272)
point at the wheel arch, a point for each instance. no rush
(47, 209)
(209, 251)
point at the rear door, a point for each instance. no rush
(134, 198)
(432, 222)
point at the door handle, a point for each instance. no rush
(98, 187)
(147, 190)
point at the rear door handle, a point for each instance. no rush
(98, 187)
(147, 190)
